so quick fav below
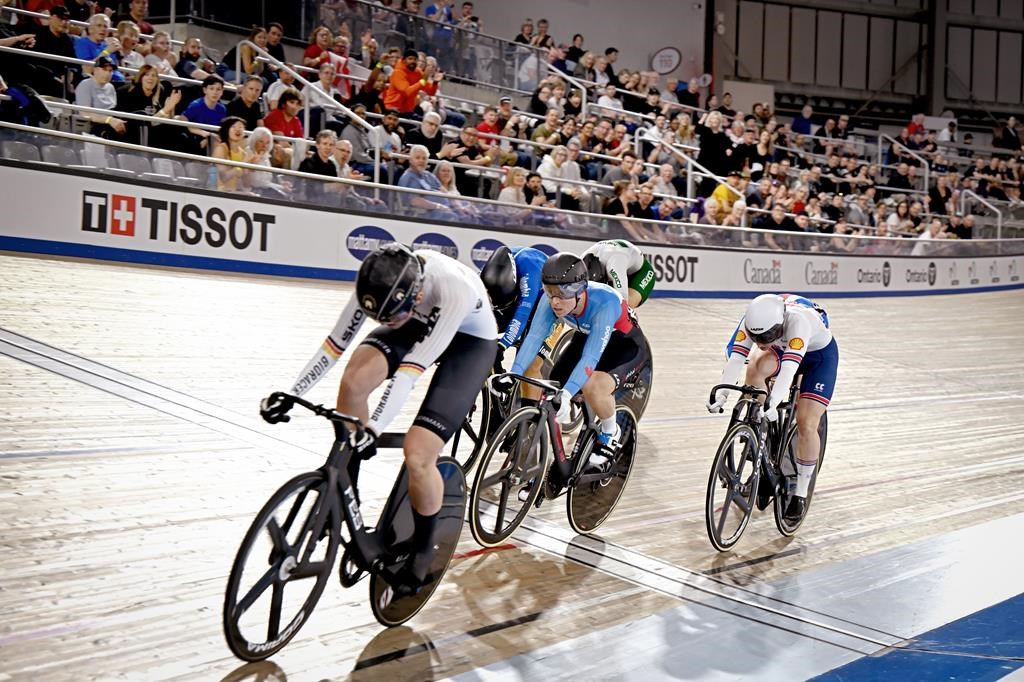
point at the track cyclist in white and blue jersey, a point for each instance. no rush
(794, 336)
(605, 353)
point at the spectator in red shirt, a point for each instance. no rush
(137, 11)
(284, 121)
(319, 45)
(407, 82)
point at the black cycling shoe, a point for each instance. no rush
(795, 509)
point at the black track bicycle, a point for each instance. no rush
(755, 465)
(289, 551)
(526, 453)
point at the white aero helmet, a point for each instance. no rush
(764, 318)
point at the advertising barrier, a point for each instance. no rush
(74, 215)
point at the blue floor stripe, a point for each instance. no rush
(996, 632)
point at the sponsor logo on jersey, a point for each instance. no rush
(821, 276)
(972, 273)
(545, 249)
(875, 276)
(796, 344)
(921, 275)
(432, 241)
(754, 273)
(126, 215)
(482, 251)
(993, 272)
(365, 239)
(740, 336)
(669, 268)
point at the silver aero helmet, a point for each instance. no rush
(765, 317)
(387, 284)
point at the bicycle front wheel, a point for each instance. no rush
(282, 567)
(732, 487)
(788, 466)
(515, 459)
(469, 441)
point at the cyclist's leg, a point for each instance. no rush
(569, 358)
(762, 366)
(819, 377)
(641, 284)
(374, 360)
(623, 357)
(461, 370)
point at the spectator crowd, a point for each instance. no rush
(590, 138)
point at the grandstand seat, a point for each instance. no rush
(62, 156)
(21, 151)
(198, 170)
(141, 166)
(175, 169)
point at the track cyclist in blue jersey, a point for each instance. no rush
(606, 352)
(512, 279)
(793, 334)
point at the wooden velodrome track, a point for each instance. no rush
(126, 486)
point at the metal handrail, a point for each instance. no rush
(337, 106)
(358, 183)
(79, 24)
(573, 81)
(83, 62)
(984, 202)
(920, 159)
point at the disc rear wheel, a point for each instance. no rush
(732, 487)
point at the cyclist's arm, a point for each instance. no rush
(349, 322)
(597, 340)
(540, 329)
(798, 334)
(529, 292)
(453, 306)
(739, 349)
(617, 268)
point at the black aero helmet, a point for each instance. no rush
(595, 268)
(500, 279)
(388, 281)
(566, 273)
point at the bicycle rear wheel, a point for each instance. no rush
(390, 611)
(594, 495)
(732, 487)
(515, 456)
(788, 467)
(469, 440)
(293, 538)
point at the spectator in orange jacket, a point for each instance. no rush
(407, 82)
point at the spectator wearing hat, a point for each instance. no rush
(402, 93)
(97, 92)
(50, 77)
(725, 195)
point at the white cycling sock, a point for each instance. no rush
(608, 425)
(804, 472)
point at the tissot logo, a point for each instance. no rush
(820, 275)
(121, 214)
(757, 273)
(993, 272)
(673, 268)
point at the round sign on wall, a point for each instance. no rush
(666, 60)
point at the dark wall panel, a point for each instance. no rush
(959, 6)
(1008, 81)
(880, 52)
(776, 56)
(986, 8)
(751, 18)
(983, 82)
(801, 47)
(1011, 9)
(855, 51)
(958, 59)
(830, 28)
(908, 43)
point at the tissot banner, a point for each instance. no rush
(46, 212)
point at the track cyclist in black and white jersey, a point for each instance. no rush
(622, 266)
(431, 309)
(793, 335)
